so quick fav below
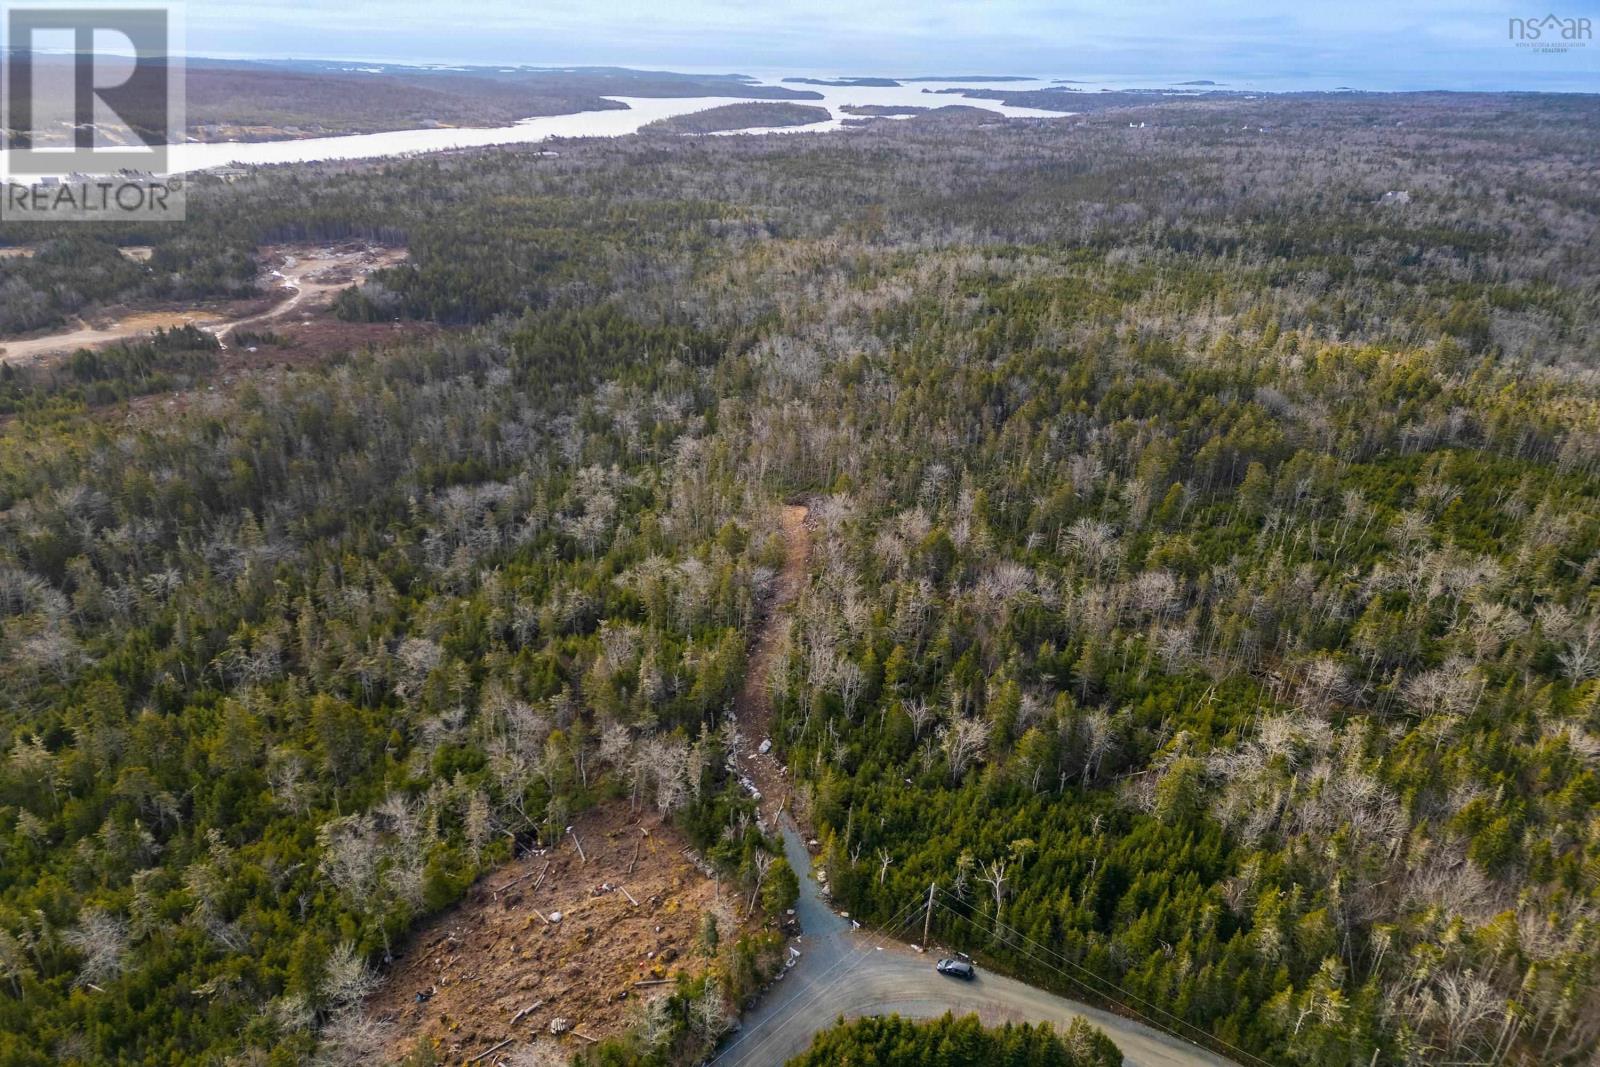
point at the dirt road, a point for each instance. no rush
(847, 972)
(305, 275)
(753, 707)
(86, 336)
(312, 278)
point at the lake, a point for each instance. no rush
(641, 110)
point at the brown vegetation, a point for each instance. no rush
(556, 935)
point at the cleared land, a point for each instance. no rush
(501, 967)
(300, 279)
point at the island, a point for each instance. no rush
(749, 116)
(882, 110)
(848, 83)
(971, 78)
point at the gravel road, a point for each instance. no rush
(844, 972)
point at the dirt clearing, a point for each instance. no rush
(298, 282)
(554, 949)
(310, 278)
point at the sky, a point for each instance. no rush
(1371, 44)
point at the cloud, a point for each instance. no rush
(1456, 43)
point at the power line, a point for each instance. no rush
(1071, 978)
(849, 962)
(853, 959)
(1100, 994)
(1127, 994)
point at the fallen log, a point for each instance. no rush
(501, 889)
(575, 841)
(496, 1048)
(629, 895)
(535, 1006)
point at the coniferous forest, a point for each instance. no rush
(1203, 583)
(896, 1042)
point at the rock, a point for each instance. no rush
(765, 747)
(555, 916)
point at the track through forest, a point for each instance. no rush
(847, 972)
(753, 707)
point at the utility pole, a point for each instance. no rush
(927, 917)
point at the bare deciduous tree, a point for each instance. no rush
(102, 939)
(965, 743)
(994, 876)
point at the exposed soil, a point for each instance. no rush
(311, 277)
(298, 280)
(753, 707)
(137, 253)
(502, 954)
(108, 327)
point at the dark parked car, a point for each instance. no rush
(957, 968)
